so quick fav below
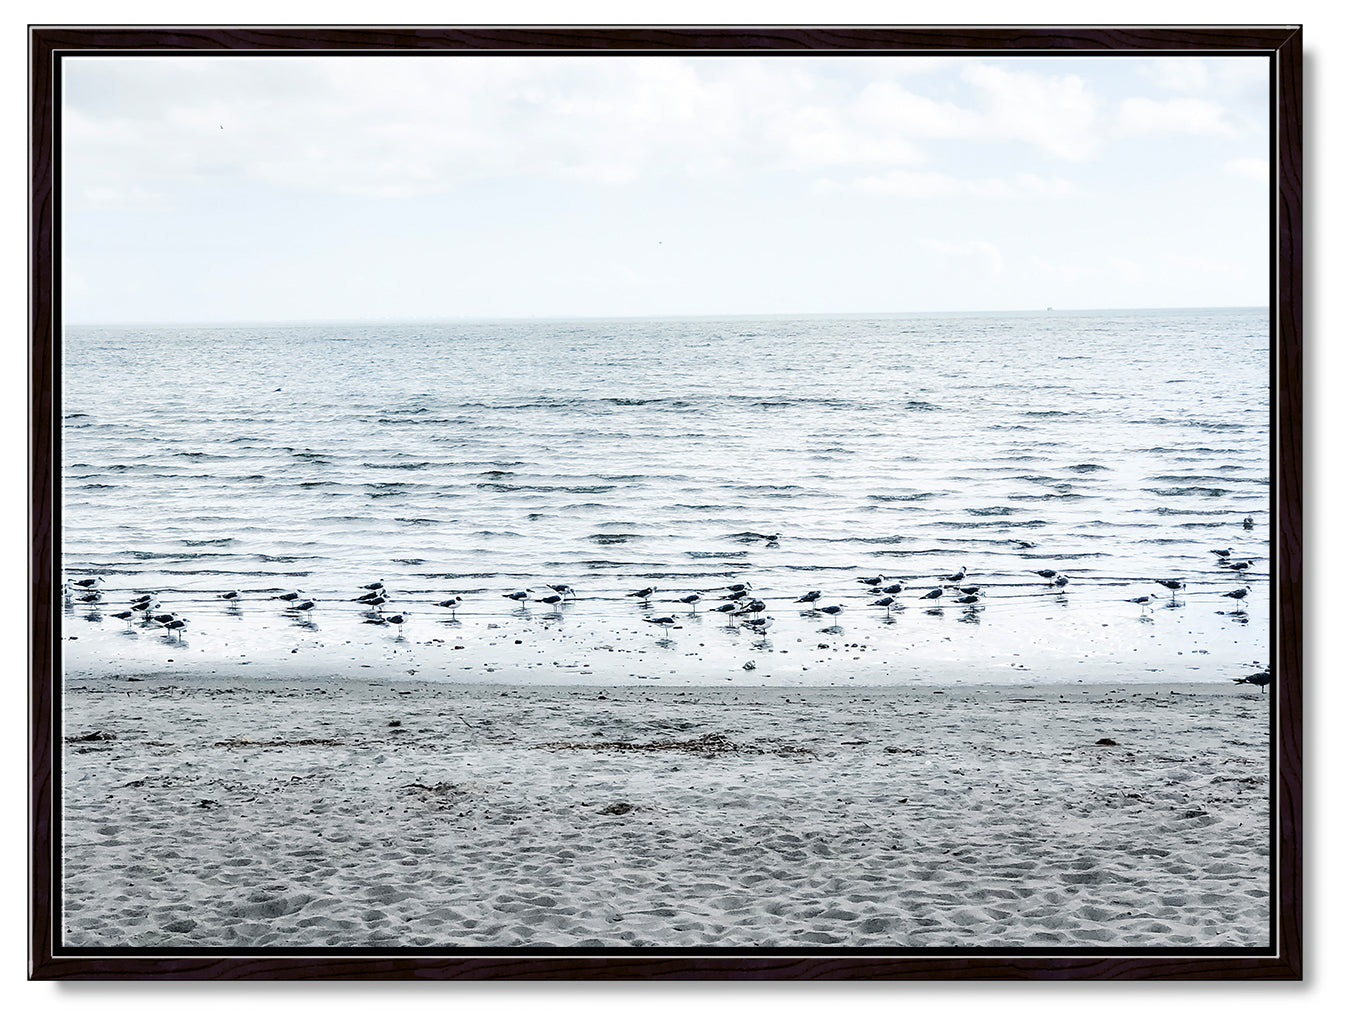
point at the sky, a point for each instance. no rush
(245, 188)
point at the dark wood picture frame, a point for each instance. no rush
(1281, 44)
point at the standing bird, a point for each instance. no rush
(1224, 553)
(377, 585)
(833, 609)
(664, 621)
(955, 577)
(692, 600)
(373, 602)
(1259, 679)
(1237, 595)
(727, 609)
(561, 588)
(176, 624)
(932, 595)
(1142, 600)
(398, 618)
(644, 593)
(520, 595)
(229, 595)
(739, 588)
(1248, 522)
(1061, 581)
(1171, 584)
(553, 599)
(1047, 573)
(760, 625)
(871, 581)
(752, 607)
(810, 597)
(451, 604)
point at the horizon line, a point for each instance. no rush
(446, 319)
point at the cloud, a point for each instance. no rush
(1180, 74)
(1249, 168)
(921, 185)
(978, 254)
(1057, 113)
(1139, 115)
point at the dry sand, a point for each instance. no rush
(221, 811)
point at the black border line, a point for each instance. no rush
(1281, 961)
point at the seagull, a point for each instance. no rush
(176, 624)
(734, 595)
(452, 603)
(1226, 552)
(367, 596)
(1171, 584)
(1142, 600)
(955, 577)
(871, 581)
(739, 587)
(752, 607)
(165, 619)
(398, 618)
(372, 602)
(760, 625)
(810, 597)
(692, 600)
(1248, 522)
(88, 583)
(894, 588)
(644, 593)
(561, 588)
(520, 595)
(1259, 679)
(125, 616)
(972, 591)
(1240, 566)
(1237, 595)
(1061, 581)
(967, 599)
(307, 605)
(727, 609)
(290, 595)
(553, 599)
(1022, 544)
(664, 621)
(833, 609)
(377, 585)
(229, 595)
(932, 595)
(1047, 573)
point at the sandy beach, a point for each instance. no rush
(220, 811)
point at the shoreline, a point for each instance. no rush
(223, 811)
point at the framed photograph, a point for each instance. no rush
(689, 503)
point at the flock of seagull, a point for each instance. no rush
(735, 600)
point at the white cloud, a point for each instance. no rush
(1180, 74)
(1249, 168)
(927, 185)
(1055, 112)
(1181, 116)
(979, 254)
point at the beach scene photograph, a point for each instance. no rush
(611, 504)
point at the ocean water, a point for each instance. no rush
(476, 459)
